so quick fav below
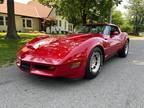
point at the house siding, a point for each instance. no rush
(19, 24)
(3, 27)
(60, 28)
(36, 24)
(64, 25)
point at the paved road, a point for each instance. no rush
(119, 85)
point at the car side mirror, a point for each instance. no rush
(114, 33)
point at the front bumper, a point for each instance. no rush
(62, 70)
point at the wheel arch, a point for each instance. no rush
(128, 39)
(87, 73)
(102, 49)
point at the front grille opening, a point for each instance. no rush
(25, 66)
(43, 67)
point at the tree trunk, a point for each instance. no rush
(136, 29)
(84, 17)
(84, 22)
(110, 11)
(11, 30)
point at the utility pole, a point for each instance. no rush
(110, 15)
(110, 11)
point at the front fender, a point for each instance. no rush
(82, 51)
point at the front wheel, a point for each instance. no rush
(125, 50)
(95, 61)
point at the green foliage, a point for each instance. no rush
(47, 2)
(104, 8)
(1, 1)
(126, 26)
(82, 11)
(136, 13)
(121, 21)
(8, 48)
(117, 18)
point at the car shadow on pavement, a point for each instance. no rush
(63, 82)
(55, 83)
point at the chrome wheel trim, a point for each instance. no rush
(126, 48)
(95, 62)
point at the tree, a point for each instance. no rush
(122, 21)
(117, 18)
(136, 13)
(111, 3)
(73, 10)
(1, 1)
(84, 10)
(11, 30)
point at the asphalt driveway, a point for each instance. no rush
(119, 85)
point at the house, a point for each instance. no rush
(35, 17)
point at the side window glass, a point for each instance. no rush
(98, 29)
(107, 30)
(114, 29)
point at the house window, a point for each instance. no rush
(70, 27)
(27, 23)
(60, 23)
(65, 25)
(57, 22)
(6, 19)
(1, 20)
(24, 23)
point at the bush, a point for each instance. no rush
(127, 28)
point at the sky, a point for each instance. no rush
(120, 7)
(22, 1)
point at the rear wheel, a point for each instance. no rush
(95, 61)
(125, 50)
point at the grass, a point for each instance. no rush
(136, 37)
(8, 48)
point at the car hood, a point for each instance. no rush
(52, 50)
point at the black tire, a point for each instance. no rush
(124, 52)
(90, 74)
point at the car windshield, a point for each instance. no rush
(100, 29)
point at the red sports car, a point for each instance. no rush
(73, 56)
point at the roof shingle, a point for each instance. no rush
(32, 9)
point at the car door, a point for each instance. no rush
(111, 40)
(115, 37)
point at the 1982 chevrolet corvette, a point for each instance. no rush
(73, 56)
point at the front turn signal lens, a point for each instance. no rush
(75, 65)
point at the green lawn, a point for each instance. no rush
(136, 37)
(8, 48)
